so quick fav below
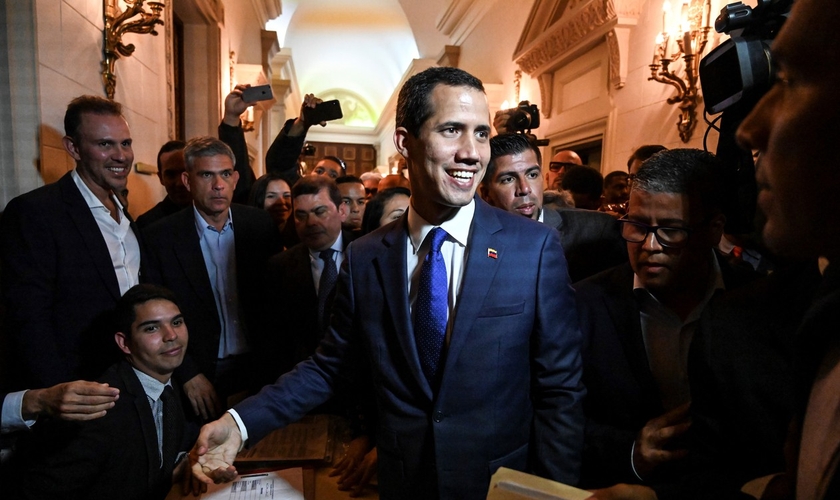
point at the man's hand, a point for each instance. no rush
(235, 106)
(500, 122)
(653, 441)
(309, 101)
(357, 467)
(203, 397)
(79, 400)
(215, 450)
(624, 492)
(190, 485)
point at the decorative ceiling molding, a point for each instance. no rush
(461, 17)
(589, 23)
(270, 47)
(266, 10)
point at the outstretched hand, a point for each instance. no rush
(78, 400)
(215, 450)
(235, 106)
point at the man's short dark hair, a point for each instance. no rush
(87, 104)
(508, 144)
(642, 153)
(125, 312)
(583, 180)
(204, 147)
(168, 148)
(413, 106)
(692, 172)
(616, 174)
(313, 184)
(348, 179)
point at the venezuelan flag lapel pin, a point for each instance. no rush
(491, 252)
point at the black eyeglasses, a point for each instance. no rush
(637, 232)
(557, 166)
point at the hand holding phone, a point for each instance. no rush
(258, 93)
(323, 112)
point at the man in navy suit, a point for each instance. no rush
(505, 389)
(69, 250)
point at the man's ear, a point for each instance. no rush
(485, 194)
(401, 138)
(185, 178)
(119, 337)
(235, 178)
(70, 147)
(343, 211)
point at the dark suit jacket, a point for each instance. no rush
(294, 304)
(510, 393)
(59, 287)
(115, 456)
(176, 262)
(591, 240)
(621, 392)
(163, 209)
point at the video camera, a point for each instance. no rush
(734, 76)
(524, 118)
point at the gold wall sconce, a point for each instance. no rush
(683, 35)
(116, 25)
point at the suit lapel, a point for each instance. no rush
(187, 249)
(390, 267)
(91, 235)
(478, 275)
(625, 315)
(147, 420)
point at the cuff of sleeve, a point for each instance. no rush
(242, 430)
(632, 465)
(12, 416)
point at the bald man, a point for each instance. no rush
(558, 166)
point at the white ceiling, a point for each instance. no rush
(353, 49)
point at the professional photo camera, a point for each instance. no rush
(524, 118)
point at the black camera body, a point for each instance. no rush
(734, 76)
(524, 117)
(741, 68)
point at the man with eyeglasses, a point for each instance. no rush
(557, 167)
(638, 320)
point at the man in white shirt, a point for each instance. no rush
(69, 250)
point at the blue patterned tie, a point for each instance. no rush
(431, 308)
(325, 287)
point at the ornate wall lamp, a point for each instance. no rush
(116, 25)
(684, 35)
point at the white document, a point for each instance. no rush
(508, 484)
(286, 484)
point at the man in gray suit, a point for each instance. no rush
(591, 241)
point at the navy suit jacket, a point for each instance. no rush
(176, 262)
(511, 391)
(59, 287)
(113, 456)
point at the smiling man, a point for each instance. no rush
(463, 390)
(135, 447)
(638, 320)
(69, 250)
(213, 257)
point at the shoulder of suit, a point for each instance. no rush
(607, 281)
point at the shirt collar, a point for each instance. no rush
(202, 225)
(541, 218)
(458, 227)
(151, 386)
(338, 246)
(90, 198)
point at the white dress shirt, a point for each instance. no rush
(120, 239)
(318, 264)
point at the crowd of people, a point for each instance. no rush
(606, 333)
